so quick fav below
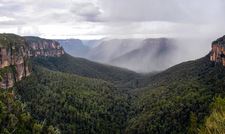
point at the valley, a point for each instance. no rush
(76, 95)
(130, 53)
(112, 67)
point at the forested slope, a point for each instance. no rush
(15, 119)
(73, 103)
(86, 68)
(80, 96)
(166, 101)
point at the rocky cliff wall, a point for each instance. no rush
(217, 53)
(15, 52)
(14, 59)
(44, 47)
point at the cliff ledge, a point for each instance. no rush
(217, 53)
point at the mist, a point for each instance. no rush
(126, 23)
(111, 49)
(140, 57)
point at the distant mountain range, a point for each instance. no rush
(127, 53)
(111, 49)
(74, 47)
(150, 54)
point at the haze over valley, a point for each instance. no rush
(112, 66)
(98, 23)
(161, 53)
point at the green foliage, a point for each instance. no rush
(82, 67)
(215, 123)
(81, 96)
(73, 103)
(37, 129)
(164, 102)
(174, 101)
(193, 124)
(9, 40)
(14, 119)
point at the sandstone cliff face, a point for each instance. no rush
(15, 52)
(14, 59)
(217, 53)
(44, 47)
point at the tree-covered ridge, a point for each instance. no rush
(15, 119)
(166, 103)
(6, 40)
(86, 68)
(37, 39)
(73, 103)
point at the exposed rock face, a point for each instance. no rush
(44, 47)
(217, 53)
(15, 52)
(14, 59)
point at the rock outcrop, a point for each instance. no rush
(44, 47)
(217, 53)
(15, 52)
(14, 59)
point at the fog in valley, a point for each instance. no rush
(140, 55)
(113, 31)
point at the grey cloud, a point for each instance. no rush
(12, 23)
(122, 17)
(88, 11)
(190, 11)
(142, 10)
(31, 12)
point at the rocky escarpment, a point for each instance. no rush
(217, 53)
(44, 47)
(14, 59)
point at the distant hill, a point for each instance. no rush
(110, 49)
(74, 47)
(92, 43)
(151, 55)
(127, 53)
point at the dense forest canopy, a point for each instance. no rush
(74, 95)
(163, 103)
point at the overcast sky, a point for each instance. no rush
(94, 19)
